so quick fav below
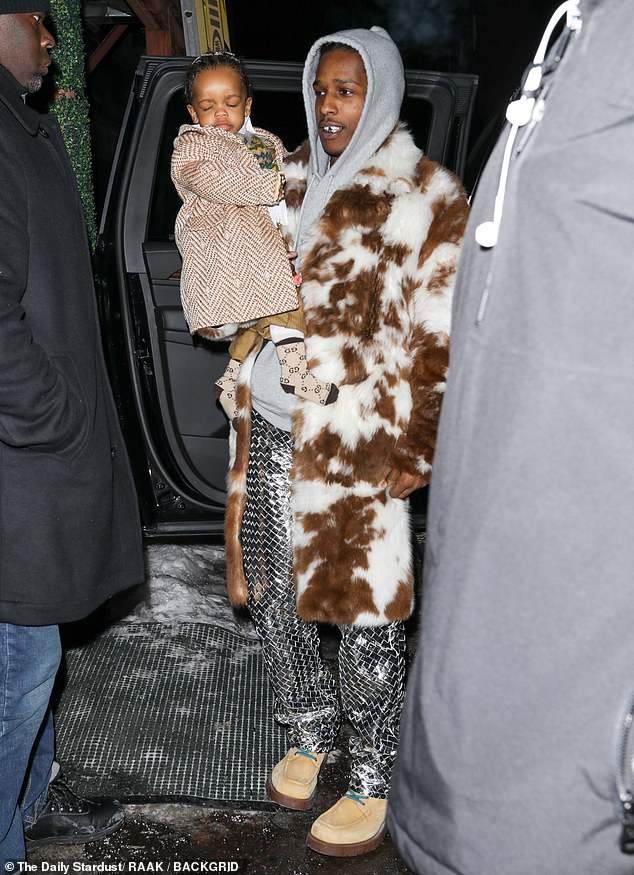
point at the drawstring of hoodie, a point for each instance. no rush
(527, 109)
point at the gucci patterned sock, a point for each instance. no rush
(296, 379)
(226, 388)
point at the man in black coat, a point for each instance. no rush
(69, 527)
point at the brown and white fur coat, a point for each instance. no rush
(377, 287)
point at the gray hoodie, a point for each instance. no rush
(386, 86)
(383, 64)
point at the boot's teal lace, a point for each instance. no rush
(305, 753)
(356, 796)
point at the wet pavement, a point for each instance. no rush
(169, 837)
(248, 839)
(181, 837)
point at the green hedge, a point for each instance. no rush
(71, 105)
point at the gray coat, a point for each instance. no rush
(69, 527)
(509, 758)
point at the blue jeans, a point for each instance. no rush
(29, 659)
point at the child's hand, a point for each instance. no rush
(282, 186)
(297, 277)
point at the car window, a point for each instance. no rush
(417, 115)
(165, 202)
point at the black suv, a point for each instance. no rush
(162, 376)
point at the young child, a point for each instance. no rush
(236, 266)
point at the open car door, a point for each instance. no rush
(162, 376)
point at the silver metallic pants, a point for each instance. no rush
(371, 659)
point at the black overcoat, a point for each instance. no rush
(69, 527)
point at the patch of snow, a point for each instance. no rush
(185, 583)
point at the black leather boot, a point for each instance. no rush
(68, 819)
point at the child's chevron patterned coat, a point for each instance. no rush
(235, 265)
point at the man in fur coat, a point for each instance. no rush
(317, 526)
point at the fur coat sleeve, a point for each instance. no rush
(429, 314)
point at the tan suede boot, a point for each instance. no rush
(296, 379)
(293, 780)
(226, 388)
(354, 825)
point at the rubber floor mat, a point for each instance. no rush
(154, 712)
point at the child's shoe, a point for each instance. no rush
(226, 389)
(296, 379)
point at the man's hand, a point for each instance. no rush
(400, 484)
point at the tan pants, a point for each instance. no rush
(245, 339)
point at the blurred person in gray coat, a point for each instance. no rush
(69, 527)
(515, 754)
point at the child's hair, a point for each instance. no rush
(212, 61)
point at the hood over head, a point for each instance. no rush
(386, 86)
(381, 110)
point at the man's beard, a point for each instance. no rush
(34, 84)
